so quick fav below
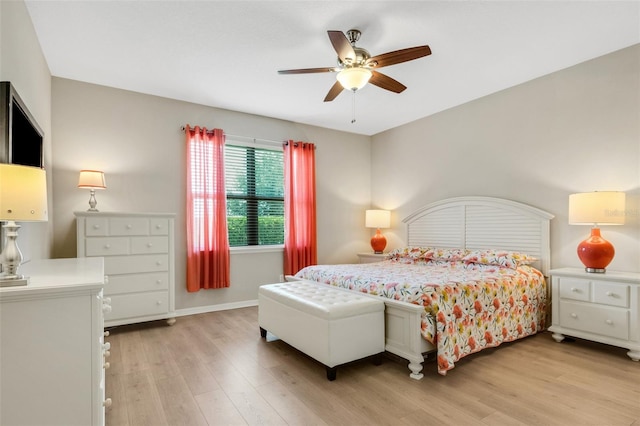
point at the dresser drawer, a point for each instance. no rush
(132, 264)
(149, 245)
(138, 304)
(96, 227)
(159, 227)
(136, 283)
(575, 289)
(611, 294)
(128, 226)
(106, 246)
(607, 321)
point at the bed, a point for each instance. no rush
(487, 261)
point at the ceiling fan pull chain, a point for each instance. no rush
(353, 107)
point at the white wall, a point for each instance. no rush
(136, 140)
(23, 64)
(576, 130)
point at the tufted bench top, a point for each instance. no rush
(321, 300)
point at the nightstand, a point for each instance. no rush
(601, 307)
(372, 257)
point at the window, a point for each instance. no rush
(254, 181)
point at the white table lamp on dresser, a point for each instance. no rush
(23, 198)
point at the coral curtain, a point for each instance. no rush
(300, 242)
(207, 239)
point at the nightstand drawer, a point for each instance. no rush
(106, 246)
(136, 283)
(613, 322)
(138, 304)
(149, 245)
(575, 289)
(611, 294)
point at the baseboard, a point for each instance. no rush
(213, 308)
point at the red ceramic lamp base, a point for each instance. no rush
(595, 252)
(378, 242)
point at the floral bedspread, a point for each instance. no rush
(472, 299)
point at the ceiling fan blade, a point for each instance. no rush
(308, 70)
(335, 90)
(398, 56)
(341, 45)
(386, 82)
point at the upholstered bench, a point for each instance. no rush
(331, 325)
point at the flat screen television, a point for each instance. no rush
(21, 139)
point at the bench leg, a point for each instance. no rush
(263, 333)
(331, 373)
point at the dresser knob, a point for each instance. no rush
(106, 365)
(159, 302)
(106, 309)
(158, 282)
(575, 290)
(149, 245)
(610, 294)
(96, 226)
(107, 402)
(129, 226)
(158, 226)
(106, 346)
(107, 354)
(107, 246)
(106, 279)
(609, 322)
(106, 333)
(574, 315)
(158, 263)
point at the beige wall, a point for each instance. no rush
(576, 130)
(136, 140)
(23, 64)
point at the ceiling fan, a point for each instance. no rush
(356, 66)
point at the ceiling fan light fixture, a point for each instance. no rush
(354, 78)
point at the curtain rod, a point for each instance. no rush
(247, 138)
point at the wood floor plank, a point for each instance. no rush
(215, 369)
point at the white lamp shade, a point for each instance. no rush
(23, 193)
(91, 179)
(354, 78)
(377, 218)
(597, 208)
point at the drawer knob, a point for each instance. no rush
(158, 263)
(610, 294)
(575, 290)
(106, 279)
(574, 315)
(159, 302)
(149, 245)
(107, 246)
(106, 346)
(106, 301)
(609, 322)
(106, 309)
(158, 281)
(107, 354)
(106, 365)
(96, 226)
(129, 226)
(106, 333)
(158, 226)
(107, 402)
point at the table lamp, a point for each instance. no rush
(92, 179)
(23, 198)
(596, 208)
(378, 219)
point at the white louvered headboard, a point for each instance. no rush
(482, 223)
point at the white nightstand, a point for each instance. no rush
(601, 307)
(372, 257)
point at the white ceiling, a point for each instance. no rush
(226, 53)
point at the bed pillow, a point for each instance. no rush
(507, 259)
(428, 253)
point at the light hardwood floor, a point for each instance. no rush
(214, 369)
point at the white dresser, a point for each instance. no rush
(601, 307)
(52, 345)
(138, 251)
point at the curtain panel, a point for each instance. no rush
(208, 263)
(300, 242)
